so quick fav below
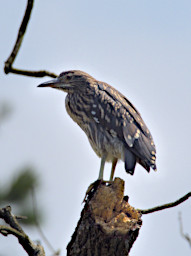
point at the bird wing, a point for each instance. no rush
(118, 115)
(132, 112)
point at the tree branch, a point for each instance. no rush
(20, 36)
(40, 73)
(5, 213)
(9, 62)
(5, 230)
(15, 229)
(166, 206)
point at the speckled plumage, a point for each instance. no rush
(113, 126)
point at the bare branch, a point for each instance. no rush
(40, 73)
(20, 36)
(5, 213)
(15, 229)
(9, 62)
(5, 231)
(184, 235)
(166, 206)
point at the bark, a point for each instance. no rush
(108, 224)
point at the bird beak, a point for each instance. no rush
(55, 83)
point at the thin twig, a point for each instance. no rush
(34, 202)
(9, 62)
(185, 236)
(21, 217)
(166, 206)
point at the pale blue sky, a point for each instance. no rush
(143, 48)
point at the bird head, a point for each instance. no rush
(70, 81)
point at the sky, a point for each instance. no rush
(140, 47)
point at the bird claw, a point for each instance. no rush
(93, 187)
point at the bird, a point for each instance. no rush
(114, 127)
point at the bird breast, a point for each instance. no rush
(102, 141)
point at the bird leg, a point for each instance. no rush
(100, 178)
(114, 163)
(103, 159)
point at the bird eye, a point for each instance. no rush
(68, 77)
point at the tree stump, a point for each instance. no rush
(108, 224)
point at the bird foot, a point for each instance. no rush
(93, 187)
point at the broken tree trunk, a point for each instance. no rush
(108, 224)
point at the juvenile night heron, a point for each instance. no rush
(112, 124)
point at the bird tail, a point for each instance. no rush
(147, 152)
(130, 161)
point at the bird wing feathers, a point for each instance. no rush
(121, 118)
